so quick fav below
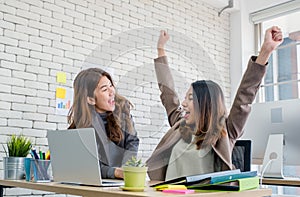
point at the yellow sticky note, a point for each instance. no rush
(177, 187)
(61, 93)
(61, 77)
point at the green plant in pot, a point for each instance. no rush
(18, 147)
(134, 175)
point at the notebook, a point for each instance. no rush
(74, 158)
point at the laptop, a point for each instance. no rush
(74, 158)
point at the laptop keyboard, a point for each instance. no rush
(292, 177)
(112, 182)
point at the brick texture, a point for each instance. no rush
(40, 38)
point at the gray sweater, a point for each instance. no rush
(112, 155)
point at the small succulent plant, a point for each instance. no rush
(134, 162)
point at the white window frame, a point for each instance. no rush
(258, 18)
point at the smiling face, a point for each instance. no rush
(188, 107)
(104, 95)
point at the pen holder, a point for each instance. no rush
(40, 170)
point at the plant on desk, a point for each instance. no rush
(134, 174)
(18, 147)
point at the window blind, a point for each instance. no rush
(275, 11)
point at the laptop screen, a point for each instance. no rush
(74, 156)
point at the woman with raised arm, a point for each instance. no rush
(202, 139)
(96, 104)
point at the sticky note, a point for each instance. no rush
(61, 77)
(61, 93)
(178, 191)
(176, 187)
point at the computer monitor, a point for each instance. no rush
(270, 118)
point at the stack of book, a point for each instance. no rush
(231, 180)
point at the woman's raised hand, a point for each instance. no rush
(273, 38)
(163, 39)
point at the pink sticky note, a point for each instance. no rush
(179, 191)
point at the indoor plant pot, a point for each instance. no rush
(134, 175)
(18, 148)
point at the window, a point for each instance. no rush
(282, 80)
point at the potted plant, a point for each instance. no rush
(134, 175)
(18, 147)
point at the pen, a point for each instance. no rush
(47, 155)
(33, 154)
(41, 154)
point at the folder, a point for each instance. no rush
(225, 178)
(232, 185)
(209, 178)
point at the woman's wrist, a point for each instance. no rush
(119, 173)
(264, 55)
(161, 52)
(263, 58)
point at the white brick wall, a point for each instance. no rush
(40, 38)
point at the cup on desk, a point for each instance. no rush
(27, 166)
(37, 170)
(40, 170)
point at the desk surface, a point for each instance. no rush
(115, 191)
(284, 182)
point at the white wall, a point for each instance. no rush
(40, 38)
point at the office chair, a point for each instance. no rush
(241, 155)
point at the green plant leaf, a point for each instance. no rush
(134, 162)
(18, 146)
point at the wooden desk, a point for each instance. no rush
(115, 191)
(282, 182)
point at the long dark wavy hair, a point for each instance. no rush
(210, 114)
(80, 114)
